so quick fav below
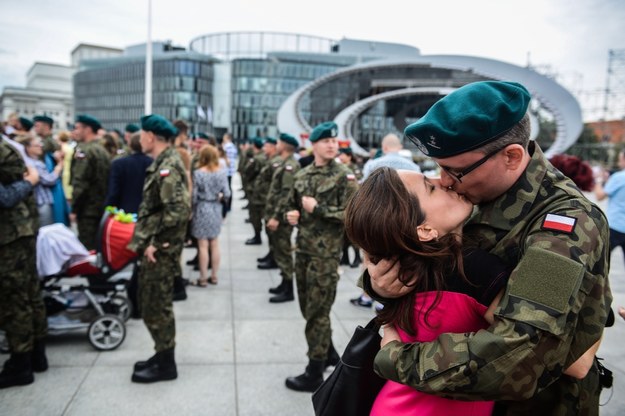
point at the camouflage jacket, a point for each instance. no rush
(252, 170)
(357, 171)
(90, 172)
(554, 307)
(165, 207)
(49, 144)
(21, 220)
(262, 183)
(321, 232)
(243, 158)
(281, 185)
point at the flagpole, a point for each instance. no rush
(148, 63)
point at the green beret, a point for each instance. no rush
(132, 128)
(469, 117)
(346, 150)
(288, 139)
(90, 121)
(258, 142)
(323, 131)
(26, 123)
(158, 125)
(44, 119)
(201, 135)
(270, 140)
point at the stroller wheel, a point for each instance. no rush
(121, 307)
(107, 332)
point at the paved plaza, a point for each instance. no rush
(234, 349)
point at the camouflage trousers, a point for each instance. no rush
(256, 215)
(316, 279)
(22, 312)
(156, 283)
(88, 231)
(282, 249)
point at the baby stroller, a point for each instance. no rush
(85, 290)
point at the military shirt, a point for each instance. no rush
(19, 220)
(90, 172)
(165, 207)
(49, 144)
(357, 171)
(252, 169)
(280, 189)
(554, 307)
(262, 183)
(320, 233)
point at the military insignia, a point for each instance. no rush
(433, 143)
(351, 177)
(334, 133)
(120, 151)
(288, 167)
(556, 222)
(250, 161)
(421, 147)
(164, 172)
(275, 165)
(79, 155)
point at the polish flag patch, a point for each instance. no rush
(164, 172)
(557, 222)
(351, 177)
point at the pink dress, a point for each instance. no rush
(455, 313)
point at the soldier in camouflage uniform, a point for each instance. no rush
(89, 176)
(346, 156)
(317, 205)
(258, 202)
(252, 170)
(278, 229)
(159, 238)
(22, 313)
(43, 128)
(558, 297)
(245, 153)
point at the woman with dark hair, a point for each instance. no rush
(408, 217)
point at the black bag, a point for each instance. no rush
(353, 386)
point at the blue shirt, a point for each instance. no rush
(389, 160)
(615, 189)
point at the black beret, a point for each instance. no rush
(288, 139)
(90, 121)
(468, 118)
(324, 131)
(158, 125)
(44, 119)
(132, 128)
(26, 123)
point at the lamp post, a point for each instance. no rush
(148, 63)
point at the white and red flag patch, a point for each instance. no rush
(164, 172)
(557, 222)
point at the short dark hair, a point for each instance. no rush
(182, 126)
(135, 142)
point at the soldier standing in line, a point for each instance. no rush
(159, 239)
(43, 128)
(317, 206)
(346, 156)
(262, 184)
(245, 152)
(22, 313)
(252, 170)
(557, 300)
(90, 172)
(278, 229)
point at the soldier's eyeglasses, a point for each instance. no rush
(464, 172)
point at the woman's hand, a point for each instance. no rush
(390, 334)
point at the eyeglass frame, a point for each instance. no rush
(464, 172)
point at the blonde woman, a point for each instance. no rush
(210, 187)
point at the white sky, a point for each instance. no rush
(572, 38)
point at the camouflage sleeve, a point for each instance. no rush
(175, 202)
(347, 186)
(13, 193)
(81, 171)
(539, 327)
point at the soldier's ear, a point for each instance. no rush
(514, 156)
(426, 233)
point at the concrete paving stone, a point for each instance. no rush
(199, 390)
(270, 341)
(256, 306)
(256, 382)
(211, 302)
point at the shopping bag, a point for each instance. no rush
(353, 386)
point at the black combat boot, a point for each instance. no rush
(286, 295)
(193, 261)
(269, 264)
(357, 260)
(254, 241)
(163, 368)
(310, 380)
(265, 258)
(39, 361)
(333, 356)
(142, 365)
(179, 293)
(17, 371)
(345, 257)
(278, 289)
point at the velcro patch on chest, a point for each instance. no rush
(556, 222)
(164, 172)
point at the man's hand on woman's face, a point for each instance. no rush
(385, 278)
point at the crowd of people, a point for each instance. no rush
(491, 281)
